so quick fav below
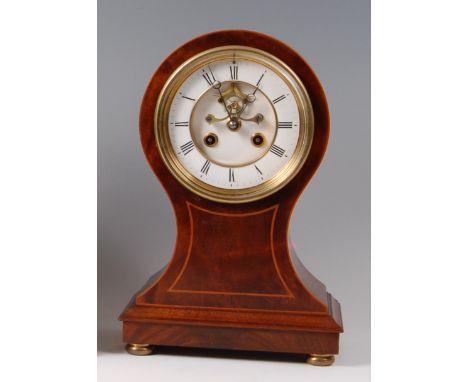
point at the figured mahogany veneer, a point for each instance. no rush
(234, 282)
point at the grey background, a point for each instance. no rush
(331, 224)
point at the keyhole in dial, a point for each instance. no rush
(211, 139)
(258, 139)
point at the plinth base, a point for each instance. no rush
(270, 340)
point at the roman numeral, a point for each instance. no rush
(209, 78)
(187, 147)
(284, 125)
(277, 150)
(280, 98)
(182, 124)
(206, 167)
(231, 175)
(234, 69)
(261, 173)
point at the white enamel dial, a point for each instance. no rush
(234, 123)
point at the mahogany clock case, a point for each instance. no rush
(225, 287)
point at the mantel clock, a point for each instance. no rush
(234, 124)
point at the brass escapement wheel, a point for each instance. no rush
(321, 359)
(139, 349)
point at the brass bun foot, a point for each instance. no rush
(321, 359)
(139, 349)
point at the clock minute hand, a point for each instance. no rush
(250, 98)
(217, 85)
(234, 122)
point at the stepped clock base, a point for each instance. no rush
(312, 359)
(320, 346)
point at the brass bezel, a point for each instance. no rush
(161, 125)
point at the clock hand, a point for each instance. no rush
(250, 98)
(217, 85)
(234, 121)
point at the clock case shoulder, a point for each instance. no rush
(234, 280)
